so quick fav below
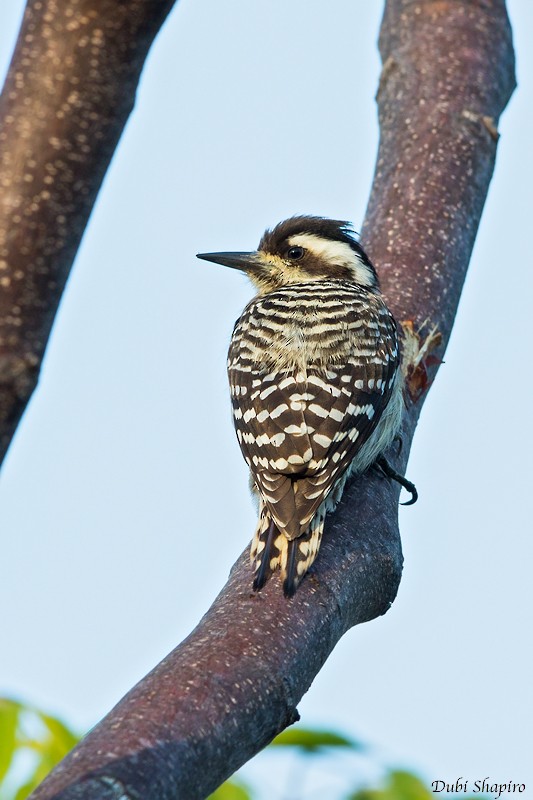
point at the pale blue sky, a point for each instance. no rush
(124, 499)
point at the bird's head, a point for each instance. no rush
(303, 249)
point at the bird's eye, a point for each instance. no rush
(295, 253)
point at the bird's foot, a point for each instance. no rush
(383, 465)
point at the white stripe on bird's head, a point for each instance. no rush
(337, 254)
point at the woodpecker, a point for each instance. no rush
(315, 381)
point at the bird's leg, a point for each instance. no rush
(383, 465)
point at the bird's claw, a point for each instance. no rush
(382, 464)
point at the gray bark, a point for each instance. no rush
(67, 97)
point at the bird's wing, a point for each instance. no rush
(268, 412)
(349, 402)
(299, 432)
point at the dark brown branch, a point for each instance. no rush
(236, 680)
(69, 92)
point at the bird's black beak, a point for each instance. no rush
(242, 261)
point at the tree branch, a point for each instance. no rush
(236, 680)
(68, 94)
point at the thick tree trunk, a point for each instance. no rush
(234, 683)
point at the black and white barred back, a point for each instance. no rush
(312, 368)
(316, 386)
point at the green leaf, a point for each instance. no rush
(310, 741)
(24, 791)
(399, 785)
(9, 717)
(367, 794)
(49, 742)
(62, 739)
(231, 790)
(406, 786)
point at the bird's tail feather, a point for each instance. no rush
(273, 550)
